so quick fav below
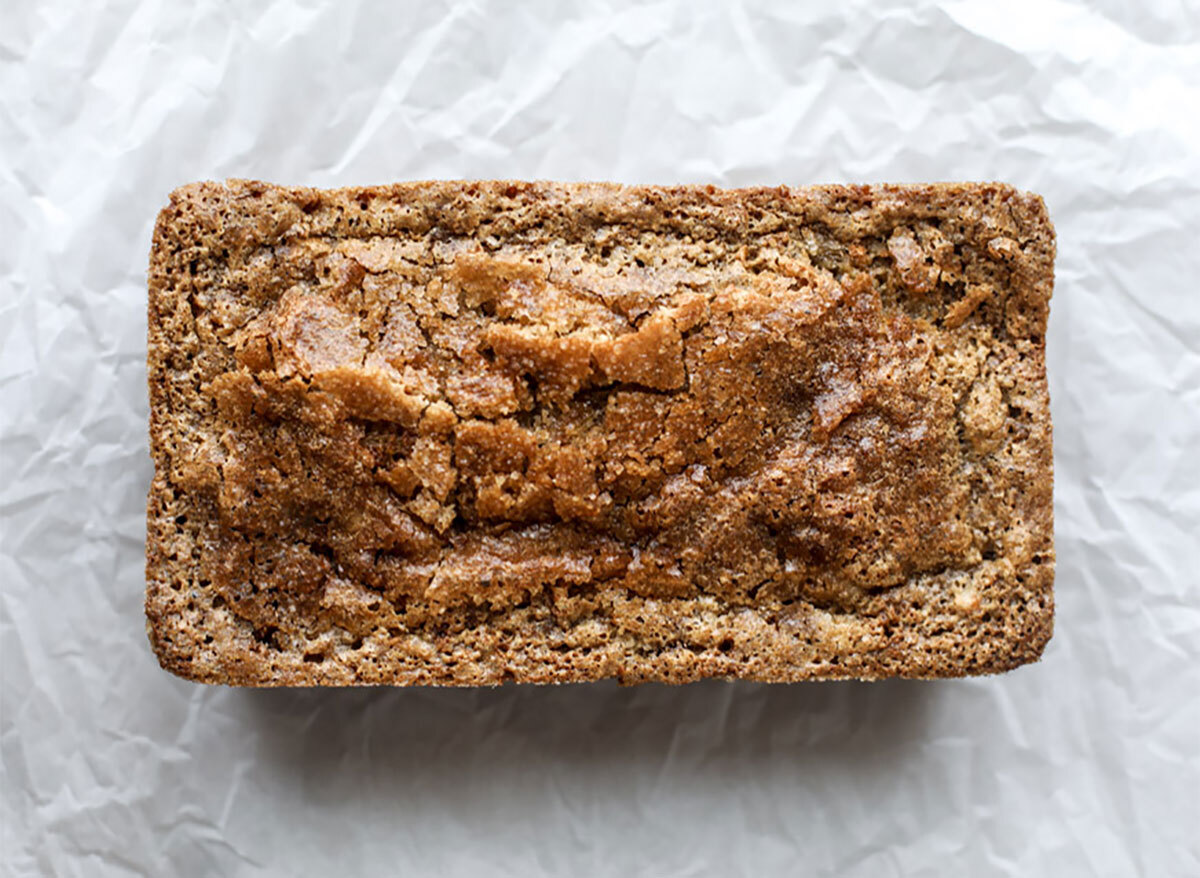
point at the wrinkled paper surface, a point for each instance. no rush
(1086, 763)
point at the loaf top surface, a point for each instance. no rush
(473, 432)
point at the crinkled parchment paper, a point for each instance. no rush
(1086, 763)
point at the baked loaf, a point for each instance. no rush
(467, 433)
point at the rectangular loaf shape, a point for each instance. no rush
(468, 433)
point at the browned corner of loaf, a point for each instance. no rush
(172, 656)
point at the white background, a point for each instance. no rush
(1086, 764)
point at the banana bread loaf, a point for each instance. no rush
(466, 433)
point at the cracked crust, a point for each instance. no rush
(467, 433)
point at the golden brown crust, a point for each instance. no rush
(466, 433)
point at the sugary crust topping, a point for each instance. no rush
(789, 434)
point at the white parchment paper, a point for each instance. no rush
(1086, 764)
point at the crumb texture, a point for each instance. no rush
(471, 433)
